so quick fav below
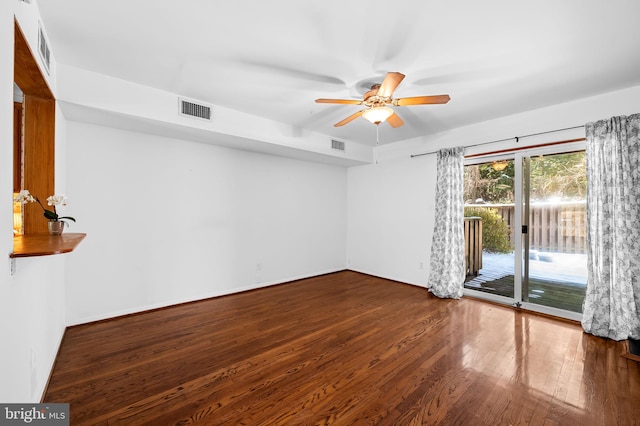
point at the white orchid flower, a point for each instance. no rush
(57, 200)
(24, 197)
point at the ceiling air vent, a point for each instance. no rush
(194, 109)
(43, 48)
(337, 145)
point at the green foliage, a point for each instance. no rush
(555, 176)
(560, 176)
(482, 181)
(495, 232)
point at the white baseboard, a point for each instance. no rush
(386, 277)
(168, 303)
(42, 387)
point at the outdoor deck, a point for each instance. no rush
(556, 279)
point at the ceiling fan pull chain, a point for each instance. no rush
(375, 151)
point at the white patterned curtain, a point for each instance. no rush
(612, 303)
(447, 274)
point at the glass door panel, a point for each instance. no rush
(556, 275)
(489, 227)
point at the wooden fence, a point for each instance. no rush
(553, 227)
(472, 245)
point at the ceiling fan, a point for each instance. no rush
(377, 99)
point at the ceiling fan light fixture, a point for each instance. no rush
(377, 115)
(499, 166)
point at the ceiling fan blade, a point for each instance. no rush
(394, 120)
(339, 101)
(292, 72)
(349, 118)
(389, 84)
(422, 100)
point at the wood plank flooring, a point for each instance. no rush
(342, 349)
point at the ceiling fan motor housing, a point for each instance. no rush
(371, 98)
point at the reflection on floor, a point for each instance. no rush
(558, 281)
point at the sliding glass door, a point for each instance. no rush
(528, 212)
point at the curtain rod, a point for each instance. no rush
(517, 139)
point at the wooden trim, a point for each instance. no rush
(522, 148)
(17, 146)
(38, 158)
(44, 244)
(26, 72)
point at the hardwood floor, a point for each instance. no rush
(342, 349)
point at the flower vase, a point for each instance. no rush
(56, 227)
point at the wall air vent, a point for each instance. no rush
(43, 48)
(194, 109)
(339, 145)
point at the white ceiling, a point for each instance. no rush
(274, 58)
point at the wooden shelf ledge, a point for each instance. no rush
(44, 244)
(632, 350)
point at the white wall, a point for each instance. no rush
(169, 220)
(31, 300)
(105, 100)
(391, 204)
(34, 322)
(12, 343)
